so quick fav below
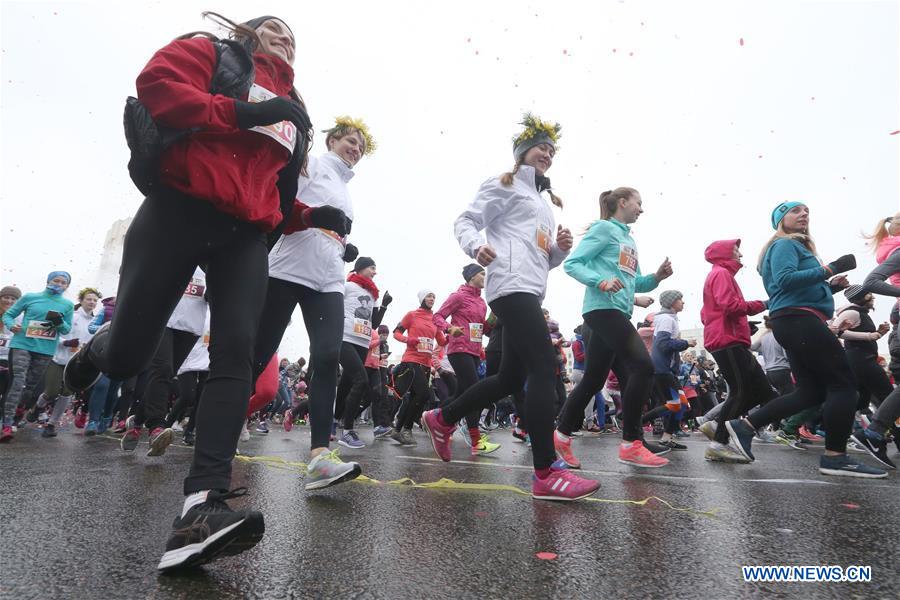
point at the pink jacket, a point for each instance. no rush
(887, 247)
(467, 310)
(373, 358)
(724, 312)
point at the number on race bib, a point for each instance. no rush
(40, 331)
(542, 238)
(362, 327)
(476, 332)
(195, 289)
(425, 345)
(628, 259)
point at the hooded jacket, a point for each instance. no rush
(467, 310)
(420, 337)
(795, 278)
(519, 225)
(36, 334)
(885, 249)
(724, 312)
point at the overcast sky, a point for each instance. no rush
(715, 111)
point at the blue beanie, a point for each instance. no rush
(57, 274)
(781, 210)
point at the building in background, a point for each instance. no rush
(107, 279)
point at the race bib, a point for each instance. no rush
(362, 327)
(37, 330)
(206, 339)
(425, 345)
(628, 259)
(543, 239)
(333, 235)
(285, 133)
(195, 288)
(476, 332)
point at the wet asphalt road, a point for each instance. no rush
(81, 519)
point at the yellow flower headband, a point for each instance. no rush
(535, 127)
(344, 123)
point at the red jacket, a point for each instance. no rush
(724, 312)
(236, 170)
(420, 338)
(467, 310)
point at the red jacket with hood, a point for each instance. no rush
(724, 313)
(235, 170)
(467, 310)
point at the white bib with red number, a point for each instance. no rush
(476, 332)
(196, 288)
(38, 330)
(285, 132)
(425, 345)
(542, 238)
(362, 327)
(628, 259)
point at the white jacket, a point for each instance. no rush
(358, 307)
(80, 321)
(315, 257)
(190, 312)
(198, 358)
(520, 227)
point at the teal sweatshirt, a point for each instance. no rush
(607, 250)
(34, 337)
(794, 277)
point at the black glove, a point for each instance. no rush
(845, 263)
(55, 320)
(251, 114)
(386, 299)
(350, 253)
(73, 343)
(328, 217)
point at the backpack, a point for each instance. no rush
(147, 139)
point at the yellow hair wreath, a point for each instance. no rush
(343, 123)
(534, 126)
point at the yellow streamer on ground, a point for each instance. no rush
(277, 462)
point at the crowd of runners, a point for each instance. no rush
(240, 226)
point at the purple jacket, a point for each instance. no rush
(467, 310)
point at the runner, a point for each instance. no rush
(800, 303)
(606, 262)
(522, 244)
(45, 316)
(467, 312)
(191, 378)
(8, 296)
(215, 196)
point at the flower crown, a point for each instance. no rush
(534, 126)
(345, 122)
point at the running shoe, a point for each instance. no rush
(80, 373)
(657, 449)
(484, 426)
(852, 446)
(177, 428)
(6, 434)
(562, 484)
(764, 436)
(49, 430)
(717, 452)
(288, 422)
(210, 530)
(593, 429)
(681, 434)
(462, 432)
(31, 415)
(484, 446)
(91, 429)
(350, 439)
(245, 434)
(440, 434)
(130, 439)
(160, 438)
(129, 422)
(708, 428)
(80, 420)
(382, 433)
(875, 445)
(741, 437)
(639, 456)
(672, 445)
(563, 445)
(806, 434)
(262, 427)
(328, 469)
(120, 427)
(397, 436)
(788, 440)
(843, 465)
(188, 438)
(105, 422)
(408, 439)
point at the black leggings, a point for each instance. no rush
(465, 366)
(170, 235)
(190, 386)
(747, 386)
(492, 367)
(615, 344)
(528, 356)
(411, 382)
(665, 389)
(323, 315)
(871, 380)
(173, 349)
(823, 377)
(781, 380)
(354, 387)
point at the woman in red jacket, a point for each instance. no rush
(418, 331)
(726, 334)
(220, 190)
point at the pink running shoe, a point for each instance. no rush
(288, 423)
(440, 434)
(563, 446)
(639, 456)
(806, 434)
(80, 420)
(562, 484)
(6, 434)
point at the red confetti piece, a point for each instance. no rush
(480, 513)
(476, 53)
(741, 41)
(468, 40)
(894, 132)
(565, 51)
(812, 98)
(547, 555)
(614, 50)
(850, 505)
(631, 54)
(760, 156)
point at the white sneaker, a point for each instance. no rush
(176, 427)
(245, 434)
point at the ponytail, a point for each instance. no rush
(507, 180)
(609, 201)
(880, 232)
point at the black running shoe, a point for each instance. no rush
(80, 373)
(211, 530)
(877, 448)
(655, 448)
(740, 437)
(672, 445)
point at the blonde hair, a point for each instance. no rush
(609, 201)
(340, 132)
(507, 180)
(881, 231)
(805, 239)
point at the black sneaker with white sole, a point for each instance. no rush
(211, 530)
(844, 466)
(657, 449)
(876, 448)
(80, 372)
